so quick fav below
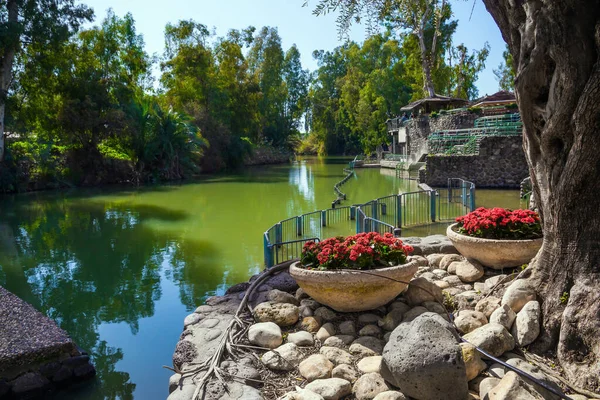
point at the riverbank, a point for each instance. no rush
(425, 344)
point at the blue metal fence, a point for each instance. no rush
(284, 240)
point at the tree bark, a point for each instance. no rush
(556, 50)
(425, 62)
(6, 64)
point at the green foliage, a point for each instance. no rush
(564, 298)
(434, 114)
(505, 74)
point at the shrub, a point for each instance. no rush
(361, 251)
(500, 223)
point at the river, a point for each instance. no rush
(119, 269)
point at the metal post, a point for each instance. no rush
(432, 197)
(333, 204)
(472, 205)
(374, 209)
(383, 209)
(278, 233)
(397, 232)
(399, 211)
(323, 218)
(268, 252)
(464, 194)
(299, 225)
(352, 213)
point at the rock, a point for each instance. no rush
(496, 370)
(330, 389)
(364, 319)
(335, 355)
(577, 397)
(468, 320)
(368, 386)
(490, 283)
(435, 259)
(345, 371)
(301, 294)
(265, 334)
(370, 330)
(472, 360)
(277, 296)
(423, 359)
(370, 364)
(437, 308)
(513, 387)
(421, 261)
(339, 341)
(301, 338)
(281, 314)
(302, 394)
(452, 268)
(442, 284)
(390, 395)
(310, 324)
(399, 305)
(316, 366)
(430, 276)
(467, 300)
(449, 259)
(325, 314)
(240, 391)
(468, 270)
(30, 385)
(367, 346)
(284, 358)
(305, 311)
(282, 281)
(326, 331)
(527, 324)
(310, 303)
(488, 305)
(486, 385)
(453, 281)
(386, 337)
(440, 273)
(185, 392)
(421, 290)
(174, 382)
(347, 328)
(480, 287)
(191, 319)
(504, 316)
(243, 369)
(536, 373)
(391, 320)
(519, 293)
(414, 313)
(492, 338)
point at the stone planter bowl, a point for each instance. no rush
(348, 290)
(496, 254)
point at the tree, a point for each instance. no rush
(26, 22)
(505, 74)
(555, 47)
(466, 70)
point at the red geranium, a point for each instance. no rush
(500, 223)
(360, 251)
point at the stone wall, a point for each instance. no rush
(36, 356)
(500, 164)
(418, 129)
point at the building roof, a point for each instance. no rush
(501, 97)
(438, 101)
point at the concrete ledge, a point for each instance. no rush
(36, 356)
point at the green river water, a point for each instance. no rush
(119, 269)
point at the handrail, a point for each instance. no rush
(336, 188)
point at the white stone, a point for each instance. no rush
(316, 366)
(335, 355)
(468, 320)
(449, 259)
(325, 331)
(519, 293)
(265, 334)
(513, 387)
(492, 338)
(345, 371)
(486, 385)
(368, 386)
(278, 296)
(472, 360)
(366, 346)
(283, 314)
(468, 270)
(301, 338)
(390, 395)
(488, 305)
(504, 316)
(284, 358)
(370, 364)
(527, 324)
(490, 283)
(330, 389)
(302, 394)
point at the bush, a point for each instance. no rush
(361, 251)
(433, 114)
(475, 110)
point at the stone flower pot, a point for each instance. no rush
(348, 290)
(496, 254)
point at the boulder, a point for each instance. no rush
(301, 338)
(335, 355)
(345, 371)
(504, 316)
(512, 387)
(468, 320)
(370, 364)
(367, 346)
(527, 324)
(265, 334)
(277, 296)
(326, 331)
(519, 293)
(488, 305)
(330, 389)
(492, 338)
(316, 366)
(424, 360)
(449, 259)
(473, 361)
(368, 386)
(468, 270)
(284, 358)
(282, 314)
(421, 290)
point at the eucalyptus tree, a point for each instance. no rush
(555, 48)
(29, 24)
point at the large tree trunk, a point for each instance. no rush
(556, 50)
(6, 64)
(425, 62)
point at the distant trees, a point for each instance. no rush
(505, 74)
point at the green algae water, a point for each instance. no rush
(120, 269)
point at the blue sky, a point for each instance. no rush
(296, 24)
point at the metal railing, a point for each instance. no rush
(284, 240)
(336, 188)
